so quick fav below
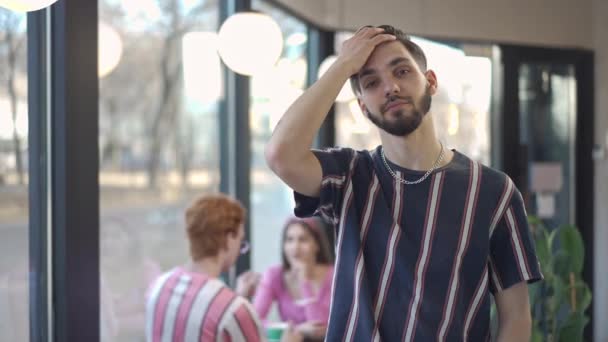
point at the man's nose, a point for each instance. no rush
(391, 88)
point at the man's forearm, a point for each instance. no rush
(296, 130)
(514, 330)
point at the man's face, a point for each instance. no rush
(395, 93)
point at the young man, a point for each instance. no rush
(189, 303)
(425, 235)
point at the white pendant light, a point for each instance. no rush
(346, 93)
(250, 42)
(110, 49)
(202, 70)
(25, 5)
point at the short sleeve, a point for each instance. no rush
(335, 164)
(512, 252)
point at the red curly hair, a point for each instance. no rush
(209, 220)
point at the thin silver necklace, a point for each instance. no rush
(401, 180)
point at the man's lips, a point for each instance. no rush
(394, 104)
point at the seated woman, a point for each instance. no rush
(301, 286)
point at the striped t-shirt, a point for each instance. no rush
(419, 262)
(188, 306)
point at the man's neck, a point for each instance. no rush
(211, 267)
(417, 151)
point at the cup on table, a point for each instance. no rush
(275, 330)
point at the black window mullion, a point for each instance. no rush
(320, 46)
(37, 174)
(235, 137)
(75, 167)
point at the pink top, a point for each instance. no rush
(311, 307)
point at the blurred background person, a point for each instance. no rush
(301, 285)
(190, 303)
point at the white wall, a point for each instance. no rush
(558, 23)
(539, 22)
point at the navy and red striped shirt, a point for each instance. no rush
(188, 306)
(419, 262)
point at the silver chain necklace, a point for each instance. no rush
(401, 180)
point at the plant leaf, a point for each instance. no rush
(583, 296)
(572, 330)
(543, 250)
(559, 295)
(537, 335)
(572, 244)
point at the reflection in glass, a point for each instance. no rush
(159, 146)
(271, 94)
(547, 108)
(460, 108)
(14, 212)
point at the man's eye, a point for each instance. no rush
(370, 84)
(402, 72)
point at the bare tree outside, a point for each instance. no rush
(148, 86)
(12, 71)
(172, 27)
(154, 142)
(14, 281)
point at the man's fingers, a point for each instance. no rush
(363, 28)
(381, 38)
(369, 31)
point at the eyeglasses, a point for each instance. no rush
(245, 247)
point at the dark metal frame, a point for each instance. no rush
(235, 140)
(514, 159)
(75, 170)
(64, 193)
(320, 45)
(38, 76)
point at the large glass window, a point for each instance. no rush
(271, 93)
(160, 88)
(460, 108)
(14, 212)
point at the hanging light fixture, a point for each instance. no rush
(110, 49)
(25, 5)
(203, 81)
(250, 42)
(346, 93)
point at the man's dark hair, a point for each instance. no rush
(413, 48)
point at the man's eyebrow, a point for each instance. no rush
(366, 72)
(394, 62)
(399, 60)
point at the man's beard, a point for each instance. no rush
(405, 121)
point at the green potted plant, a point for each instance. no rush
(559, 302)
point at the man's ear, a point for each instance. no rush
(229, 236)
(431, 80)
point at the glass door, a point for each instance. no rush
(547, 133)
(545, 130)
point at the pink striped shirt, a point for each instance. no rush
(188, 306)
